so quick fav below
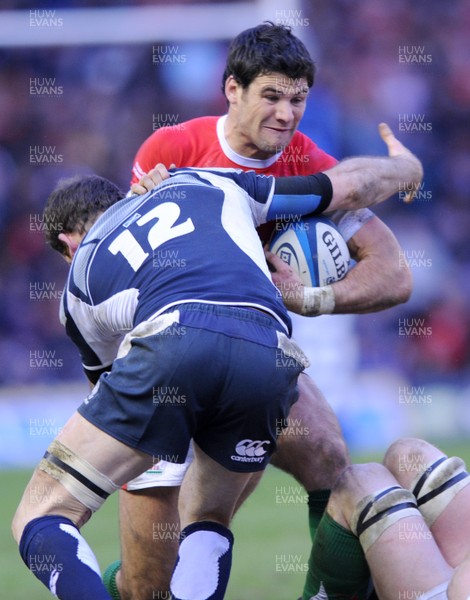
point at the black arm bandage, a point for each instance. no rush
(317, 185)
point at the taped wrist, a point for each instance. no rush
(374, 514)
(318, 301)
(438, 485)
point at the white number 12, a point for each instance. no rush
(163, 230)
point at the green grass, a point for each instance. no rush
(271, 548)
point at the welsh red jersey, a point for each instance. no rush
(201, 143)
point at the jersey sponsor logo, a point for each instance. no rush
(250, 451)
(93, 393)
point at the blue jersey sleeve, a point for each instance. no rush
(91, 363)
(298, 195)
(284, 197)
(276, 198)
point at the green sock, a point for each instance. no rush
(109, 579)
(337, 563)
(317, 502)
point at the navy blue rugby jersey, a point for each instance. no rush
(191, 239)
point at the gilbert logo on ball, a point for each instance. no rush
(314, 248)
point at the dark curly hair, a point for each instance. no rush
(267, 48)
(74, 205)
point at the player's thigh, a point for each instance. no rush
(405, 562)
(311, 447)
(210, 491)
(451, 529)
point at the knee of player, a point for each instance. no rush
(408, 456)
(35, 505)
(40, 498)
(460, 582)
(63, 484)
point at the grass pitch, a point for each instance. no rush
(271, 549)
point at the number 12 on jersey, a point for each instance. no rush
(164, 230)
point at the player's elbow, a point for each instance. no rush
(393, 287)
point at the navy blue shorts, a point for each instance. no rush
(224, 376)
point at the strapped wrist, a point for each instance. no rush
(318, 301)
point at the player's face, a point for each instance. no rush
(265, 116)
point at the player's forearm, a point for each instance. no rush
(378, 281)
(368, 287)
(364, 181)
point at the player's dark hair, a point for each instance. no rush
(74, 205)
(267, 48)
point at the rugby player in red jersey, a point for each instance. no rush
(267, 80)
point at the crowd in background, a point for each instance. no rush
(74, 110)
(408, 64)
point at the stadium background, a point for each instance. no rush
(81, 86)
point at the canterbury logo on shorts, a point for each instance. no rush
(250, 451)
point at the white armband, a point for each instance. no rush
(318, 301)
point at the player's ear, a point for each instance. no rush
(231, 89)
(71, 243)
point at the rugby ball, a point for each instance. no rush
(314, 248)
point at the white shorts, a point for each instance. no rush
(162, 474)
(437, 593)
